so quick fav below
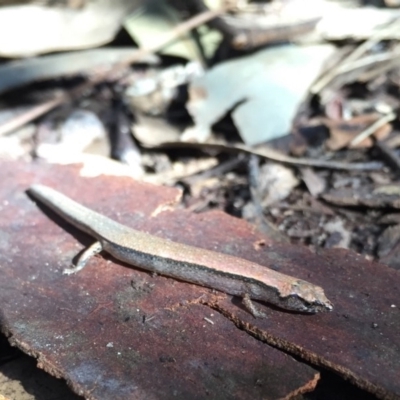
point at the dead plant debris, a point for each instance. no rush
(301, 139)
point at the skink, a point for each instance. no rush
(223, 272)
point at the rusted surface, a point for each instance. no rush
(114, 331)
(360, 339)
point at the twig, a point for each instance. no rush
(373, 128)
(112, 72)
(389, 154)
(353, 56)
(368, 61)
(262, 223)
(28, 116)
(220, 169)
(275, 156)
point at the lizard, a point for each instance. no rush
(226, 273)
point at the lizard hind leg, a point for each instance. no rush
(91, 251)
(251, 308)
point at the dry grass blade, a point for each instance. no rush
(348, 62)
(373, 128)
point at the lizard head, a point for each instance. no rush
(306, 297)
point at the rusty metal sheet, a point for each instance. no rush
(117, 332)
(360, 339)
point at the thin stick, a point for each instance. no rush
(373, 128)
(368, 61)
(353, 56)
(274, 155)
(28, 116)
(48, 105)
